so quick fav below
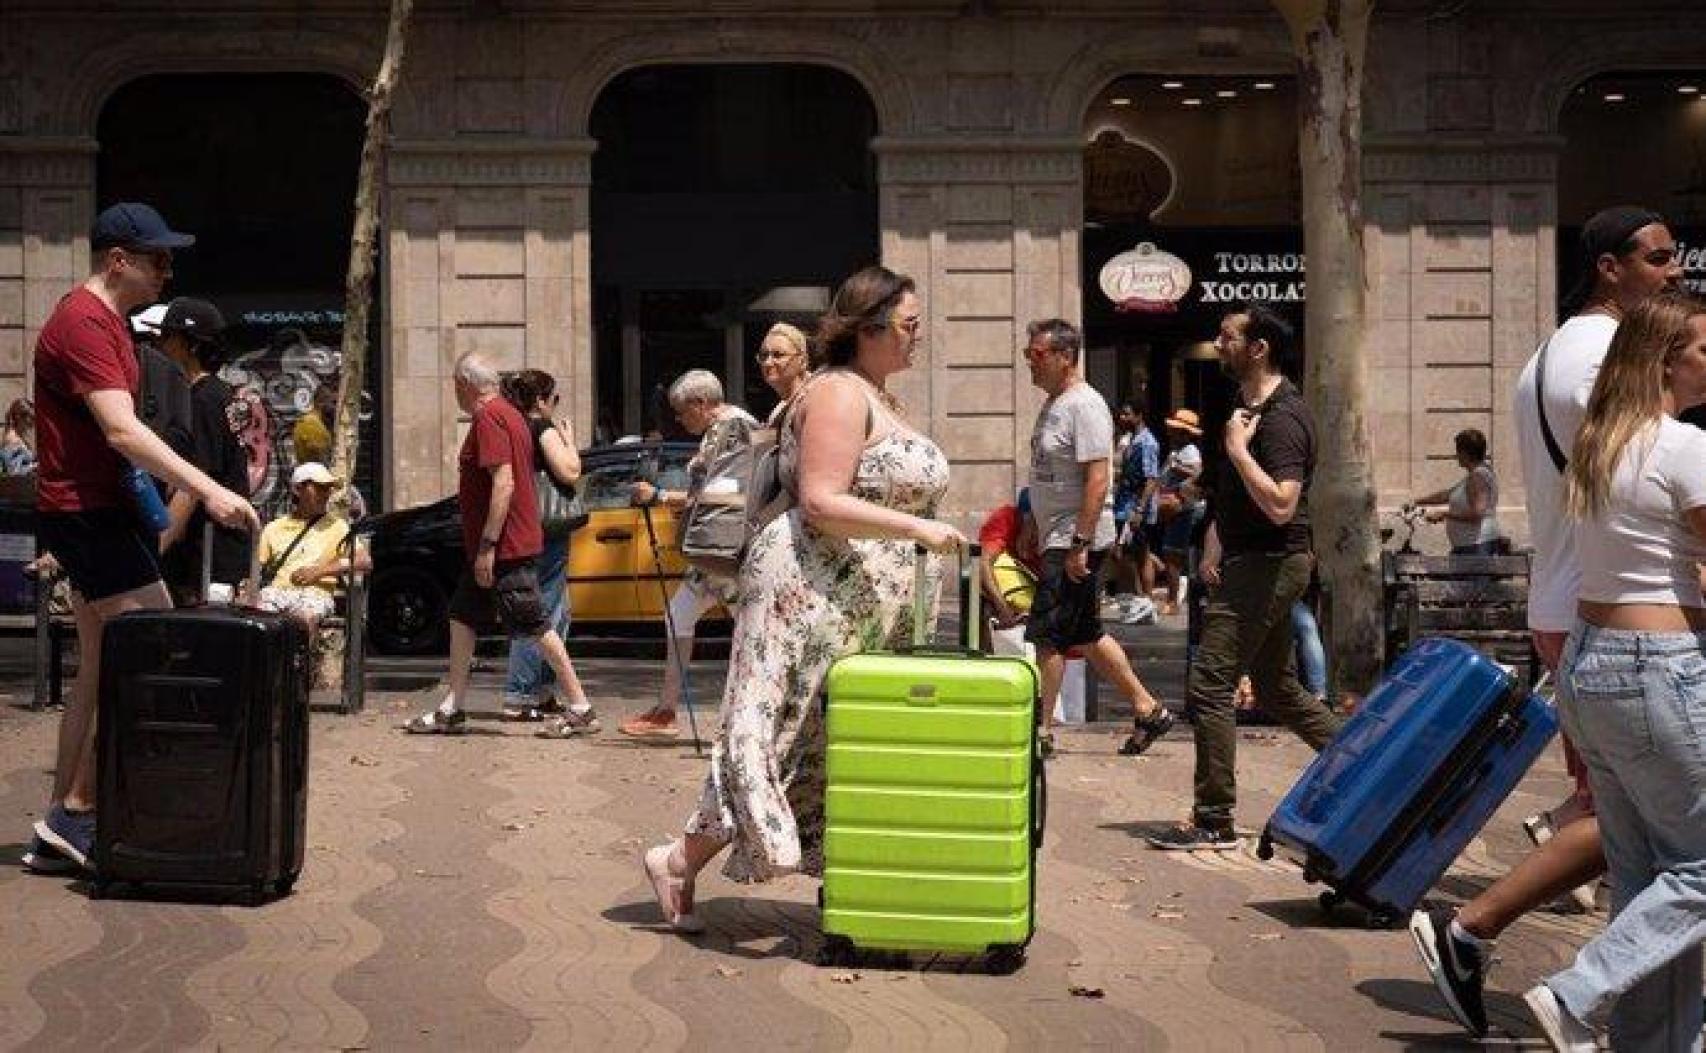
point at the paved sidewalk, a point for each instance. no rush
(484, 893)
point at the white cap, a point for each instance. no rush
(148, 322)
(312, 472)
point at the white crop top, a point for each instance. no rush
(1641, 548)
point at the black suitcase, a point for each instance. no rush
(203, 750)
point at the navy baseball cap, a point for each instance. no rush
(133, 225)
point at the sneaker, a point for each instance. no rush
(1145, 733)
(1563, 1031)
(71, 833)
(1458, 968)
(1190, 837)
(650, 726)
(1135, 610)
(437, 723)
(43, 858)
(570, 725)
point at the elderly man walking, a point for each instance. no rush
(501, 537)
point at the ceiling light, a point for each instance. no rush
(1192, 102)
(1263, 85)
(1226, 93)
(1121, 101)
(1172, 85)
(1688, 89)
(1614, 96)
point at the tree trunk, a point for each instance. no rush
(1330, 38)
(358, 283)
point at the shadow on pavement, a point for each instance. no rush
(1506, 1014)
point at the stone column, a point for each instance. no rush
(47, 201)
(989, 229)
(488, 251)
(1461, 234)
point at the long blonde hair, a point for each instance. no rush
(1628, 396)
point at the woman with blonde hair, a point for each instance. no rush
(1632, 684)
(832, 577)
(784, 358)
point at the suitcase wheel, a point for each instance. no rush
(284, 884)
(837, 951)
(1006, 959)
(1265, 848)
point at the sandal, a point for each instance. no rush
(570, 725)
(524, 714)
(647, 727)
(669, 890)
(436, 723)
(1045, 744)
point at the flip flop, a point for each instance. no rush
(666, 888)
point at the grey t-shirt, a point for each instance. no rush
(1074, 428)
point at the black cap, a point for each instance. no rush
(1606, 231)
(133, 225)
(196, 319)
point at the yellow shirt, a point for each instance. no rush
(320, 545)
(312, 439)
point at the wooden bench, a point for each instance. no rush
(1481, 600)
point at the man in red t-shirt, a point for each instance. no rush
(502, 538)
(1009, 529)
(88, 436)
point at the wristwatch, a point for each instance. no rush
(488, 542)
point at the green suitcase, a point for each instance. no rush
(936, 797)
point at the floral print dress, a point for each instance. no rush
(806, 600)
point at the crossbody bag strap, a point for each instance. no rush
(275, 565)
(1559, 461)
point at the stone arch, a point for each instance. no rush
(885, 86)
(1154, 49)
(1632, 50)
(106, 69)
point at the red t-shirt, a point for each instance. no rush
(497, 436)
(1000, 533)
(84, 347)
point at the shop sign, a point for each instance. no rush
(1145, 279)
(1693, 263)
(1257, 277)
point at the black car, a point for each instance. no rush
(612, 571)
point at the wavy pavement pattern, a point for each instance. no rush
(278, 991)
(573, 978)
(44, 923)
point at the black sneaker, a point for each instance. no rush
(1145, 733)
(1192, 838)
(1458, 968)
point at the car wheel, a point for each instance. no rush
(407, 613)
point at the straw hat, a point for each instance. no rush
(1186, 421)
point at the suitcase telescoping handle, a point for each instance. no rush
(971, 598)
(254, 578)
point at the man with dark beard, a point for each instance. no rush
(1257, 561)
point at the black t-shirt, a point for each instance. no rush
(538, 426)
(215, 450)
(1284, 445)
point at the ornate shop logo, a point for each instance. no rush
(1145, 279)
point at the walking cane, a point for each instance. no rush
(669, 619)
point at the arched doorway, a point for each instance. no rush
(261, 168)
(725, 198)
(1191, 202)
(1635, 138)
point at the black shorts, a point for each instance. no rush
(513, 601)
(1066, 613)
(104, 551)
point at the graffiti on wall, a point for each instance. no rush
(275, 383)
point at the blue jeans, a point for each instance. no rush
(1634, 704)
(530, 678)
(1311, 656)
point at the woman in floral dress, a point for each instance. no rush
(832, 577)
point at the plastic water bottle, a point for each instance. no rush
(148, 504)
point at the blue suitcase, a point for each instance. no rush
(1381, 813)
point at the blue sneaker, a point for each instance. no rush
(43, 858)
(72, 833)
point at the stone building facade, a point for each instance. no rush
(979, 155)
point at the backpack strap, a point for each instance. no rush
(1559, 461)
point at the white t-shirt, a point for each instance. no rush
(1572, 364)
(1640, 549)
(1072, 429)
